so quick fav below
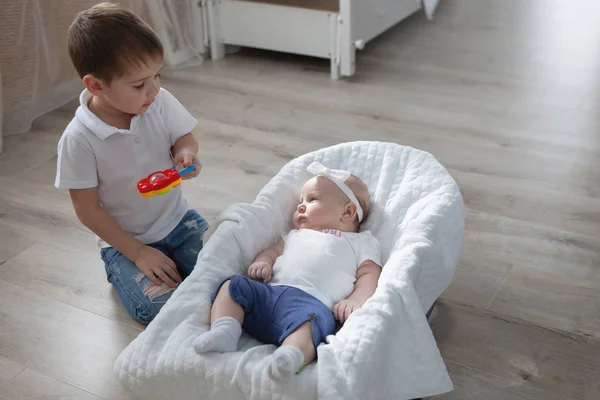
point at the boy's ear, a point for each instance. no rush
(94, 85)
(349, 211)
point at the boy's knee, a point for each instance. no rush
(149, 309)
(143, 312)
(154, 297)
(144, 318)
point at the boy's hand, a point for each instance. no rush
(344, 308)
(184, 159)
(158, 267)
(260, 271)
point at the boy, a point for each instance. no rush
(125, 128)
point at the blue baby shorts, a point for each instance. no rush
(273, 312)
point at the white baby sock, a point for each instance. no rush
(223, 337)
(287, 360)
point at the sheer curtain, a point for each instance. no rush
(36, 75)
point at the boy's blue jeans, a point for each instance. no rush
(140, 297)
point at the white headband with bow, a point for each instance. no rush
(338, 177)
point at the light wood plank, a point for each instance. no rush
(67, 268)
(9, 369)
(560, 300)
(472, 384)
(496, 245)
(18, 149)
(14, 241)
(31, 385)
(62, 341)
(351, 116)
(520, 354)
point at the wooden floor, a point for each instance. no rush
(505, 93)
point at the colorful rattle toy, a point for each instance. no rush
(160, 182)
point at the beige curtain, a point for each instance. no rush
(36, 75)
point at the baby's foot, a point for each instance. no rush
(223, 337)
(287, 360)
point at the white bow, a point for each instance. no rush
(339, 177)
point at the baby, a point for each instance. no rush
(322, 270)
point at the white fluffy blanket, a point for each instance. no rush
(386, 349)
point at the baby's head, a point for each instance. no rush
(117, 55)
(324, 205)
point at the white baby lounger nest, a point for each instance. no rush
(386, 349)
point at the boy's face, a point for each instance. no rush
(133, 92)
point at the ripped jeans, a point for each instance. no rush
(140, 297)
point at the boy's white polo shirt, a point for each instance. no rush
(92, 153)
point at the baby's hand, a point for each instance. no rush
(260, 271)
(344, 308)
(185, 159)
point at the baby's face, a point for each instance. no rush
(321, 205)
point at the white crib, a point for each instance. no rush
(331, 29)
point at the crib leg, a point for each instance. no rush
(217, 47)
(334, 43)
(335, 70)
(346, 44)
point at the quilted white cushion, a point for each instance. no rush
(384, 351)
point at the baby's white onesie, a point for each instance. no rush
(324, 263)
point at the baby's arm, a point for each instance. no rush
(367, 277)
(262, 267)
(153, 263)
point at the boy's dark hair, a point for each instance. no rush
(107, 38)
